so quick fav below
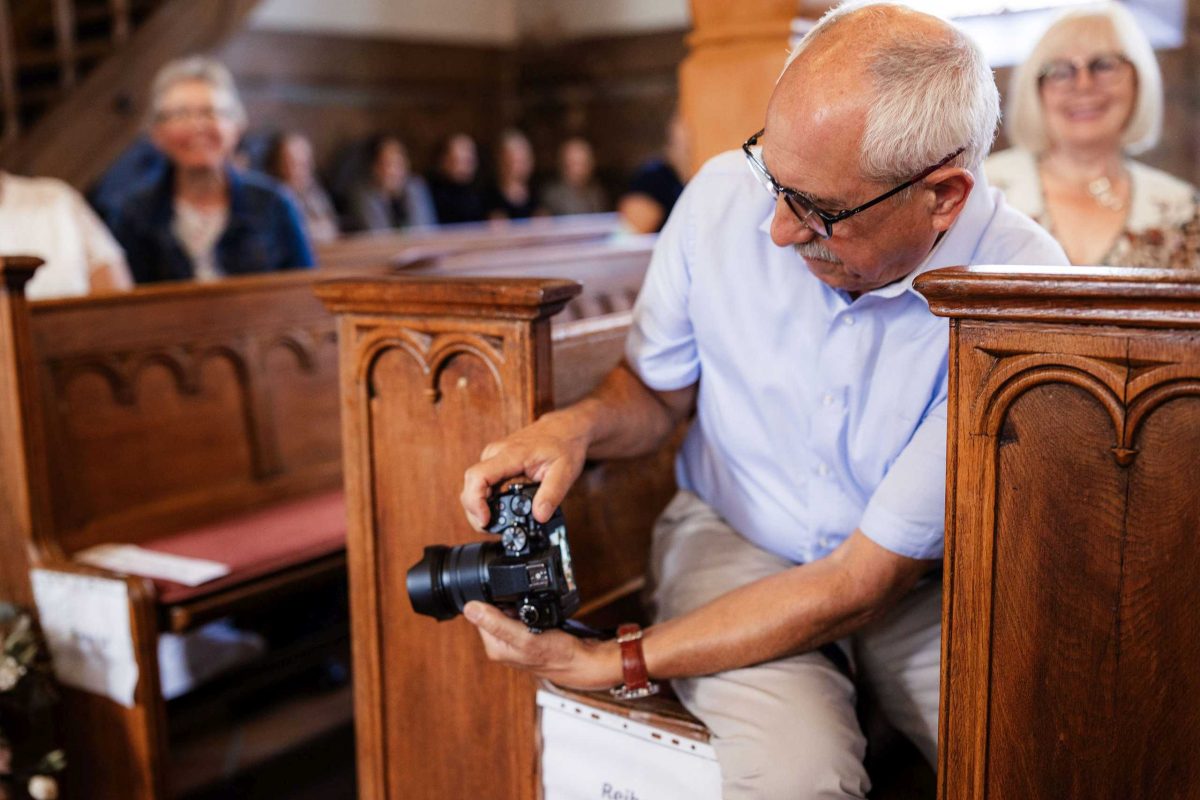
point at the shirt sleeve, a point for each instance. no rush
(907, 512)
(661, 346)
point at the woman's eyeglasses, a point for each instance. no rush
(1104, 70)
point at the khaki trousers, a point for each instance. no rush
(787, 728)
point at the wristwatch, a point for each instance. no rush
(633, 665)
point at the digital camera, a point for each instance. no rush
(528, 570)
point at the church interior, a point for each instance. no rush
(273, 273)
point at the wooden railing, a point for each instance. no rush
(75, 74)
(46, 46)
(8, 75)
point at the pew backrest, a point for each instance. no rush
(403, 248)
(174, 405)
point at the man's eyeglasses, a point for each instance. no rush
(821, 222)
(1104, 70)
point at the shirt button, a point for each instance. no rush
(849, 319)
(827, 399)
(824, 542)
(822, 469)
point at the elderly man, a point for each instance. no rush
(809, 523)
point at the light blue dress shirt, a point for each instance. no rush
(816, 415)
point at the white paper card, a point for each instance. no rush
(133, 560)
(86, 623)
(590, 754)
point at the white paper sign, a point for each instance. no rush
(86, 623)
(590, 754)
(133, 560)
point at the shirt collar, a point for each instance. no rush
(954, 249)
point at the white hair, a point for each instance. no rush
(931, 95)
(1026, 124)
(197, 68)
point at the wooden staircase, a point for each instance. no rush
(52, 44)
(75, 74)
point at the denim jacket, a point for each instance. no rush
(264, 232)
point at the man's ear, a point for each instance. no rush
(950, 186)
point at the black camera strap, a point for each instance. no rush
(584, 631)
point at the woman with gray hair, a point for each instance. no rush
(1088, 96)
(203, 218)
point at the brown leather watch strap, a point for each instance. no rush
(633, 665)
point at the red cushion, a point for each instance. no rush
(259, 543)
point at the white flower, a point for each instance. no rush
(43, 787)
(10, 673)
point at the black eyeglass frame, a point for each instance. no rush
(807, 210)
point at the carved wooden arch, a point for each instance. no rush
(432, 353)
(1002, 393)
(303, 343)
(122, 371)
(1151, 399)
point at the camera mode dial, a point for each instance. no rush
(515, 538)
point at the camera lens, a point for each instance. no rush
(447, 578)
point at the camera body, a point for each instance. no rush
(528, 570)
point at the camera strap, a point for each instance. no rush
(584, 631)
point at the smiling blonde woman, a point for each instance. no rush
(1090, 96)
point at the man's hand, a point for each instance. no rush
(554, 655)
(551, 451)
(622, 418)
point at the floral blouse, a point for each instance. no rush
(1163, 226)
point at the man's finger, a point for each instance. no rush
(493, 622)
(479, 480)
(556, 481)
(505, 639)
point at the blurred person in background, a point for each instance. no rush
(657, 184)
(203, 218)
(1090, 96)
(390, 196)
(45, 217)
(512, 195)
(456, 195)
(575, 191)
(290, 161)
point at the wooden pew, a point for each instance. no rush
(408, 247)
(238, 379)
(182, 417)
(433, 369)
(1071, 663)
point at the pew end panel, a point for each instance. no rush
(1072, 575)
(432, 370)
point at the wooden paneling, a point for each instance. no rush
(616, 90)
(1073, 579)
(340, 89)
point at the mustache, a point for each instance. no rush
(817, 251)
